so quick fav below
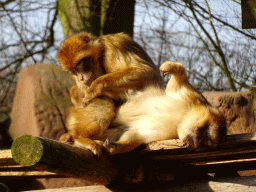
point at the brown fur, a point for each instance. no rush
(153, 114)
(87, 124)
(114, 64)
(181, 112)
(106, 69)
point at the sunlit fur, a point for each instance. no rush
(179, 112)
(86, 125)
(107, 69)
(115, 64)
(154, 114)
(111, 68)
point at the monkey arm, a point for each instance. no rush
(117, 83)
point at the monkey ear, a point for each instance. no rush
(86, 37)
(72, 47)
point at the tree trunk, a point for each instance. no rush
(96, 16)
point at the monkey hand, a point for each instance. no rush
(95, 146)
(95, 90)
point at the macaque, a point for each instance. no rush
(179, 112)
(86, 125)
(107, 69)
(154, 114)
(111, 65)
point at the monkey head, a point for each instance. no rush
(82, 55)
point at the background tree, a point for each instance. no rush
(208, 40)
(25, 40)
(96, 16)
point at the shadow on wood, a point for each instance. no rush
(155, 161)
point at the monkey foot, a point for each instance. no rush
(67, 138)
(95, 146)
(109, 147)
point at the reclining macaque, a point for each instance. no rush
(179, 112)
(113, 68)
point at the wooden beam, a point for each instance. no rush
(63, 159)
(239, 146)
(9, 169)
(215, 185)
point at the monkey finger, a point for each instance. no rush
(86, 101)
(107, 142)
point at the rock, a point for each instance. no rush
(41, 101)
(237, 108)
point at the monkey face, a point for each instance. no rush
(83, 56)
(83, 71)
(86, 72)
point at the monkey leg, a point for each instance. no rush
(95, 146)
(174, 68)
(142, 131)
(128, 141)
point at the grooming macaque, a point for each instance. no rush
(110, 65)
(106, 69)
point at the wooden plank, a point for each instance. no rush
(97, 188)
(62, 159)
(49, 155)
(176, 144)
(6, 158)
(9, 169)
(246, 184)
(239, 146)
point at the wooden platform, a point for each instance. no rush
(158, 166)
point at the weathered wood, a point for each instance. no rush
(100, 188)
(6, 158)
(253, 94)
(9, 169)
(246, 184)
(64, 159)
(41, 101)
(176, 144)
